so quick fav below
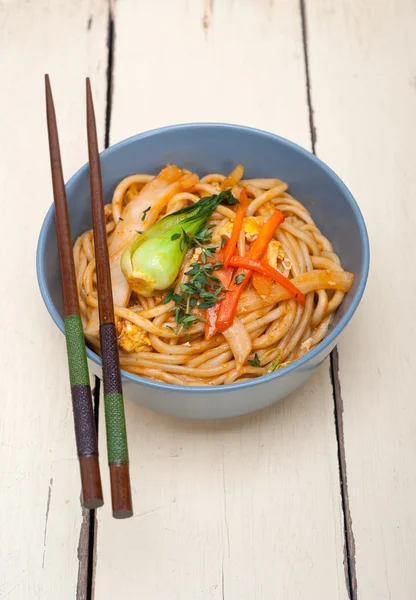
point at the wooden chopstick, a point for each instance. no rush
(85, 431)
(118, 458)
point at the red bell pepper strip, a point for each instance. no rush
(268, 271)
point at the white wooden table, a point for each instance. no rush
(310, 499)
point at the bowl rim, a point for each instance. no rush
(325, 343)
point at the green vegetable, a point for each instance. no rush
(274, 365)
(255, 362)
(151, 262)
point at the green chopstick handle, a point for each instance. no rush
(118, 456)
(113, 397)
(85, 431)
(116, 428)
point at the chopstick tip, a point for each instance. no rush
(89, 94)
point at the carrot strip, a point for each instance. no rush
(268, 271)
(237, 226)
(259, 246)
(225, 275)
(228, 306)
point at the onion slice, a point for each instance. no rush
(318, 279)
(239, 341)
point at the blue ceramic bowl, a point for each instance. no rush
(217, 148)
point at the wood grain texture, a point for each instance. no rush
(248, 508)
(40, 513)
(363, 73)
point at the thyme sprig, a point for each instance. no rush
(203, 288)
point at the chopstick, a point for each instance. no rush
(118, 458)
(85, 431)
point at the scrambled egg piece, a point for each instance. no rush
(252, 226)
(131, 338)
(274, 253)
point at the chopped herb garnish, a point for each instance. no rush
(255, 362)
(240, 278)
(168, 297)
(195, 269)
(209, 251)
(188, 319)
(207, 303)
(204, 236)
(185, 241)
(139, 232)
(223, 241)
(145, 213)
(203, 290)
(120, 219)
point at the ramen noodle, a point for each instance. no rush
(216, 280)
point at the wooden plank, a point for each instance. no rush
(248, 508)
(362, 65)
(40, 515)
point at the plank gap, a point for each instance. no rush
(83, 556)
(110, 67)
(87, 537)
(349, 547)
(93, 516)
(312, 127)
(349, 542)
